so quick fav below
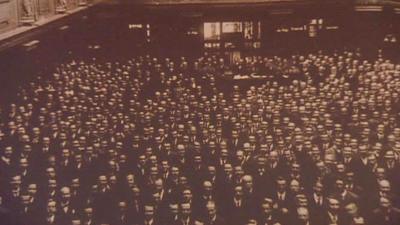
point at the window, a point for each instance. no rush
(231, 27)
(212, 31)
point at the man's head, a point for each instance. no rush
(303, 215)
(211, 210)
(384, 186)
(207, 187)
(173, 209)
(51, 207)
(148, 212)
(333, 204)
(65, 193)
(267, 206)
(247, 182)
(185, 210)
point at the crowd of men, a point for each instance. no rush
(155, 141)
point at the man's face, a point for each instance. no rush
(66, 194)
(339, 185)
(65, 153)
(333, 205)
(185, 210)
(267, 209)
(25, 200)
(347, 152)
(8, 152)
(281, 185)
(211, 211)
(318, 187)
(149, 212)
(235, 134)
(174, 210)
(102, 181)
(88, 212)
(51, 207)
(50, 172)
(295, 186)
(187, 195)
(248, 183)
(303, 215)
(211, 171)
(384, 187)
(32, 189)
(240, 156)
(207, 187)
(174, 171)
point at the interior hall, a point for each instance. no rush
(199, 112)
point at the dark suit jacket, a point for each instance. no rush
(382, 217)
(218, 221)
(233, 214)
(121, 219)
(326, 219)
(191, 222)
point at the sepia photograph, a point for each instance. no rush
(199, 112)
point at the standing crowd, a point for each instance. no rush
(157, 141)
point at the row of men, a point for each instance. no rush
(145, 127)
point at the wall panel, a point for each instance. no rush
(5, 12)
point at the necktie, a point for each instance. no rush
(237, 203)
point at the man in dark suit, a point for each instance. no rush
(262, 180)
(64, 168)
(225, 185)
(12, 195)
(170, 213)
(26, 213)
(282, 197)
(343, 194)
(102, 200)
(212, 217)
(385, 191)
(87, 217)
(251, 197)
(317, 200)
(207, 195)
(185, 215)
(267, 215)
(353, 216)
(303, 217)
(234, 208)
(121, 216)
(235, 142)
(149, 216)
(333, 214)
(65, 209)
(6, 167)
(51, 217)
(385, 214)
(392, 168)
